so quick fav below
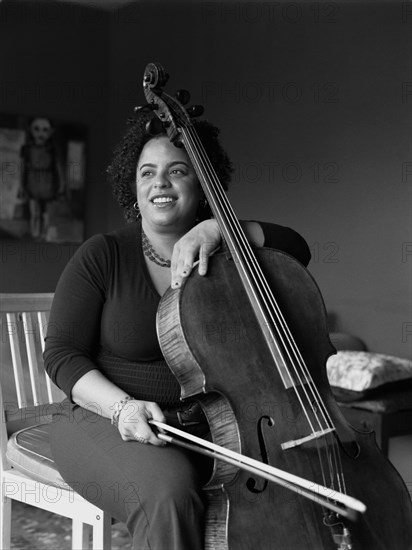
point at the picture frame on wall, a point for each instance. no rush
(43, 179)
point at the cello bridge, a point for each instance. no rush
(296, 442)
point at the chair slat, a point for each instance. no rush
(29, 336)
(43, 317)
(25, 302)
(12, 329)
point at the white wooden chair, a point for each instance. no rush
(28, 473)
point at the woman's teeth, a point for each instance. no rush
(160, 200)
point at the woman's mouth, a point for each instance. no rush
(162, 201)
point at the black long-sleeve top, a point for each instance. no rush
(104, 314)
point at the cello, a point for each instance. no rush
(249, 342)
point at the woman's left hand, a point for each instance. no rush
(200, 241)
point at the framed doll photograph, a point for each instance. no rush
(43, 164)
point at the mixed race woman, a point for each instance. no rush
(102, 348)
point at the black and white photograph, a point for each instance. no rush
(205, 279)
(43, 179)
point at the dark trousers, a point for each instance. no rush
(155, 491)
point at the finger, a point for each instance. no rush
(206, 250)
(203, 259)
(154, 412)
(186, 270)
(148, 439)
(175, 263)
(154, 440)
(139, 438)
(144, 435)
(182, 270)
(157, 429)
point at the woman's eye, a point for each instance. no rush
(146, 173)
(177, 171)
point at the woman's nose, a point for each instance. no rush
(162, 180)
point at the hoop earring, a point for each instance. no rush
(202, 210)
(136, 207)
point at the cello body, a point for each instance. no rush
(212, 342)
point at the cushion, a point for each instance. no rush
(28, 451)
(355, 375)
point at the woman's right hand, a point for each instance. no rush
(133, 421)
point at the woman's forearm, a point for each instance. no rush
(93, 390)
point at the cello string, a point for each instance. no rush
(221, 206)
(292, 344)
(309, 422)
(323, 410)
(193, 143)
(291, 348)
(251, 261)
(325, 448)
(334, 446)
(263, 283)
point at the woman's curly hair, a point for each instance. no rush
(122, 170)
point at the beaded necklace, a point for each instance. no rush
(151, 253)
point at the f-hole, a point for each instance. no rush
(258, 486)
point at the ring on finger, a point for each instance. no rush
(139, 438)
(186, 269)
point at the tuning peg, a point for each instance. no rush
(147, 107)
(183, 96)
(195, 110)
(154, 127)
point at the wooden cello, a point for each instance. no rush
(249, 341)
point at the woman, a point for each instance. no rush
(102, 348)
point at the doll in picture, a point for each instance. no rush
(42, 176)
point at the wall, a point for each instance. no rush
(312, 102)
(54, 62)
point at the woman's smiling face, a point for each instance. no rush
(168, 191)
